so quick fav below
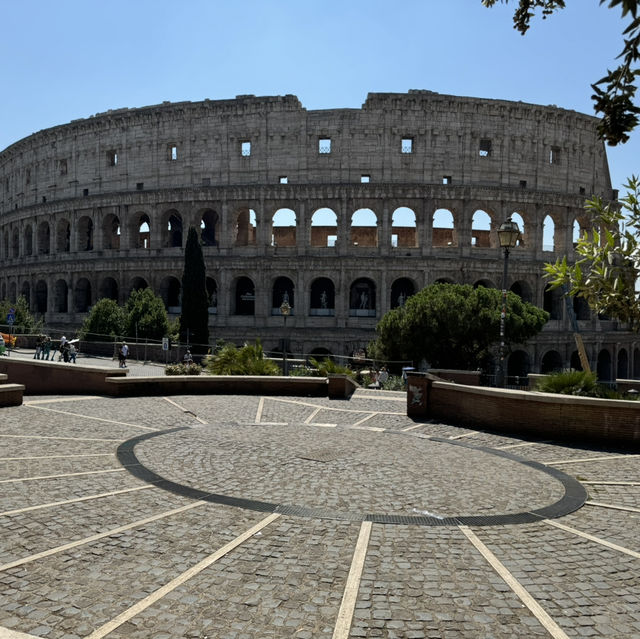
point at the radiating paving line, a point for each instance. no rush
(260, 409)
(58, 400)
(185, 410)
(469, 434)
(536, 609)
(151, 599)
(333, 408)
(588, 459)
(56, 457)
(611, 483)
(6, 633)
(508, 446)
(97, 419)
(89, 472)
(92, 538)
(72, 501)
(350, 596)
(409, 428)
(374, 429)
(312, 415)
(73, 439)
(365, 419)
(597, 540)
(628, 509)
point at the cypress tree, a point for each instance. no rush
(195, 313)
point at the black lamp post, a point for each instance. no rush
(508, 235)
(285, 309)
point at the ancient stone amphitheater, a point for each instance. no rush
(342, 212)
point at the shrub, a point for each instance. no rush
(183, 369)
(247, 360)
(328, 367)
(580, 383)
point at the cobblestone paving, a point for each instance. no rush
(151, 564)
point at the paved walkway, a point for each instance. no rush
(233, 517)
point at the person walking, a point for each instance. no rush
(124, 352)
(46, 347)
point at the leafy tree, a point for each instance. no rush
(146, 310)
(248, 360)
(614, 93)
(607, 270)
(454, 326)
(195, 312)
(105, 321)
(24, 322)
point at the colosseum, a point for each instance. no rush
(342, 212)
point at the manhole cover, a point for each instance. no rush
(320, 455)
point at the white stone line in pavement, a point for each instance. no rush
(89, 472)
(57, 400)
(628, 509)
(6, 633)
(73, 439)
(374, 429)
(612, 483)
(92, 538)
(339, 410)
(260, 409)
(508, 446)
(364, 419)
(469, 434)
(587, 459)
(312, 415)
(185, 410)
(151, 599)
(360, 393)
(56, 457)
(350, 596)
(72, 501)
(408, 428)
(536, 609)
(597, 540)
(97, 419)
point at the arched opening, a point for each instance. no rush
(15, 244)
(209, 228)
(283, 228)
(444, 231)
(41, 297)
(109, 289)
(364, 228)
(245, 230)
(63, 236)
(26, 293)
(111, 232)
(322, 299)
(173, 237)
(581, 308)
(170, 291)
(320, 353)
(481, 229)
(212, 295)
(138, 284)
(61, 297)
(623, 364)
(484, 282)
(636, 363)
(575, 363)
(85, 234)
(522, 290)
(401, 289)
(82, 295)
(548, 234)
(282, 292)
(579, 229)
(139, 227)
(553, 302)
(604, 366)
(362, 298)
(551, 362)
(519, 220)
(324, 228)
(44, 238)
(518, 365)
(245, 297)
(404, 232)
(28, 240)
(5, 245)
(444, 280)
(12, 292)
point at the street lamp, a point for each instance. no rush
(285, 309)
(508, 235)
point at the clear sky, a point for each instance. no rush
(73, 58)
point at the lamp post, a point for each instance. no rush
(508, 235)
(285, 309)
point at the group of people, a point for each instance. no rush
(46, 349)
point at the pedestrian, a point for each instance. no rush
(73, 353)
(188, 358)
(39, 343)
(64, 350)
(46, 347)
(124, 352)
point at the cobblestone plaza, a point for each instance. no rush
(242, 517)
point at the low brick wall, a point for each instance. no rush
(11, 394)
(217, 384)
(543, 415)
(58, 378)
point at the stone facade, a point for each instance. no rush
(344, 212)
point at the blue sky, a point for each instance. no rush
(71, 59)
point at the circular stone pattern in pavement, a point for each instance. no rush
(351, 474)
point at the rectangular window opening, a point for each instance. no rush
(583, 191)
(85, 192)
(63, 167)
(446, 179)
(331, 240)
(485, 148)
(365, 179)
(324, 145)
(283, 179)
(112, 158)
(523, 184)
(407, 145)
(394, 240)
(245, 148)
(173, 152)
(139, 186)
(554, 155)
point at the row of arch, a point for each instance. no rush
(145, 230)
